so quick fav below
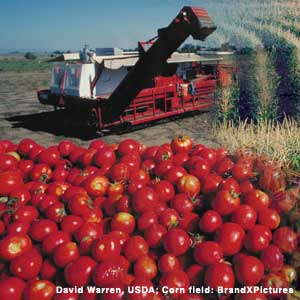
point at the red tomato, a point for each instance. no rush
(286, 239)
(88, 229)
(174, 280)
(87, 157)
(163, 153)
(210, 221)
(106, 247)
(277, 283)
(145, 199)
(25, 166)
(56, 212)
(11, 288)
(97, 144)
(48, 270)
(12, 246)
(145, 267)
(123, 221)
(147, 219)
(150, 152)
(71, 223)
(41, 172)
(258, 238)
(224, 166)
(51, 241)
(219, 275)
(18, 198)
(249, 270)
(39, 229)
(180, 159)
(65, 147)
(258, 200)
(119, 172)
(49, 156)
(96, 185)
(272, 258)
(10, 181)
(209, 155)
(269, 217)
(174, 174)
(154, 235)
(80, 204)
(242, 171)
(169, 218)
(27, 265)
(128, 146)
(245, 216)
(164, 190)
(176, 241)
(135, 247)
(25, 145)
(79, 271)
(195, 273)
(182, 203)
(65, 253)
(225, 202)
(110, 272)
(211, 183)
(8, 162)
(200, 168)
(189, 184)
(168, 262)
(246, 187)
(161, 168)
(230, 236)
(26, 213)
(181, 144)
(39, 290)
(208, 253)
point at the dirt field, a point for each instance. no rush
(23, 116)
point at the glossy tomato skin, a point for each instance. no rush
(79, 272)
(245, 216)
(258, 238)
(10, 181)
(26, 213)
(39, 290)
(175, 279)
(145, 199)
(135, 247)
(48, 270)
(225, 202)
(164, 189)
(71, 223)
(272, 258)
(27, 265)
(249, 270)
(286, 239)
(106, 247)
(189, 184)
(25, 145)
(208, 253)
(39, 229)
(210, 183)
(14, 245)
(8, 162)
(200, 168)
(230, 236)
(219, 275)
(119, 172)
(123, 221)
(269, 217)
(181, 144)
(65, 253)
(128, 146)
(96, 185)
(54, 239)
(182, 203)
(258, 200)
(176, 242)
(145, 267)
(168, 262)
(65, 148)
(210, 221)
(147, 219)
(11, 288)
(209, 155)
(154, 235)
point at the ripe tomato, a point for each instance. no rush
(26, 213)
(11, 288)
(147, 219)
(286, 239)
(230, 184)
(56, 212)
(210, 183)
(272, 258)
(225, 202)
(284, 201)
(181, 144)
(164, 190)
(27, 265)
(258, 238)
(8, 162)
(39, 290)
(39, 229)
(154, 235)
(150, 152)
(41, 172)
(65, 253)
(168, 262)
(97, 144)
(123, 221)
(269, 217)
(133, 161)
(10, 181)
(145, 267)
(189, 184)
(25, 166)
(182, 203)
(105, 156)
(88, 229)
(277, 283)
(25, 145)
(18, 198)
(209, 155)
(164, 153)
(87, 157)
(161, 168)
(49, 156)
(106, 247)
(195, 273)
(219, 275)
(189, 222)
(12, 246)
(54, 239)
(79, 271)
(200, 168)
(224, 166)
(71, 223)
(119, 172)
(257, 199)
(246, 187)
(208, 253)
(230, 236)
(249, 270)
(245, 216)
(210, 221)
(66, 147)
(180, 159)
(176, 242)
(169, 218)
(174, 174)
(242, 171)
(135, 247)
(96, 185)
(145, 199)
(110, 272)
(174, 280)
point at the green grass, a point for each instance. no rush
(20, 64)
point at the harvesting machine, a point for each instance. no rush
(110, 86)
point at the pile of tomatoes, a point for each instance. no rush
(178, 215)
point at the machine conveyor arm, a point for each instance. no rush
(190, 21)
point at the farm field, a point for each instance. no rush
(23, 116)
